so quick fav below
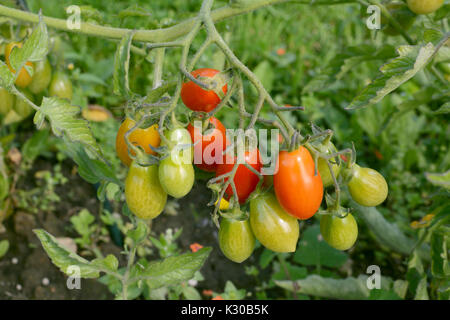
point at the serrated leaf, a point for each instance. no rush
(35, 48)
(348, 288)
(121, 66)
(64, 122)
(4, 246)
(173, 270)
(313, 251)
(432, 35)
(65, 259)
(439, 179)
(397, 71)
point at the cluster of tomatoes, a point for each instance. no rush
(32, 86)
(294, 192)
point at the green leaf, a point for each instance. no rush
(4, 186)
(65, 259)
(82, 222)
(314, 251)
(139, 233)
(4, 246)
(110, 263)
(91, 170)
(191, 293)
(411, 60)
(173, 270)
(348, 288)
(439, 255)
(6, 76)
(444, 109)
(266, 257)
(121, 66)
(380, 294)
(36, 145)
(35, 48)
(386, 233)
(439, 179)
(264, 72)
(64, 122)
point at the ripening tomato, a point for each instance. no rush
(144, 194)
(41, 77)
(424, 6)
(6, 101)
(339, 233)
(176, 179)
(61, 86)
(298, 190)
(139, 137)
(180, 138)
(24, 78)
(245, 180)
(272, 225)
(198, 99)
(367, 186)
(236, 239)
(207, 143)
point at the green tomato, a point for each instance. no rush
(424, 6)
(324, 171)
(367, 186)
(144, 194)
(61, 86)
(339, 233)
(176, 179)
(41, 77)
(401, 13)
(179, 137)
(272, 225)
(21, 107)
(6, 101)
(236, 239)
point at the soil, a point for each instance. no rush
(26, 272)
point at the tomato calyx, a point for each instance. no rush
(334, 208)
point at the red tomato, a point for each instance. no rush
(245, 180)
(205, 150)
(198, 99)
(298, 190)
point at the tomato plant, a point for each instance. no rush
(140, 137)
(272, 225)
(24, 78)
(298, 188)
(207, 142)
(367, 186)
(236, 239)
(340, 233)
(402, 14)
(198, 99)
(143, 192)
(245, 179)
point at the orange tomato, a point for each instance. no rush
(139, 137)
(24, 78)
(298, 190)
